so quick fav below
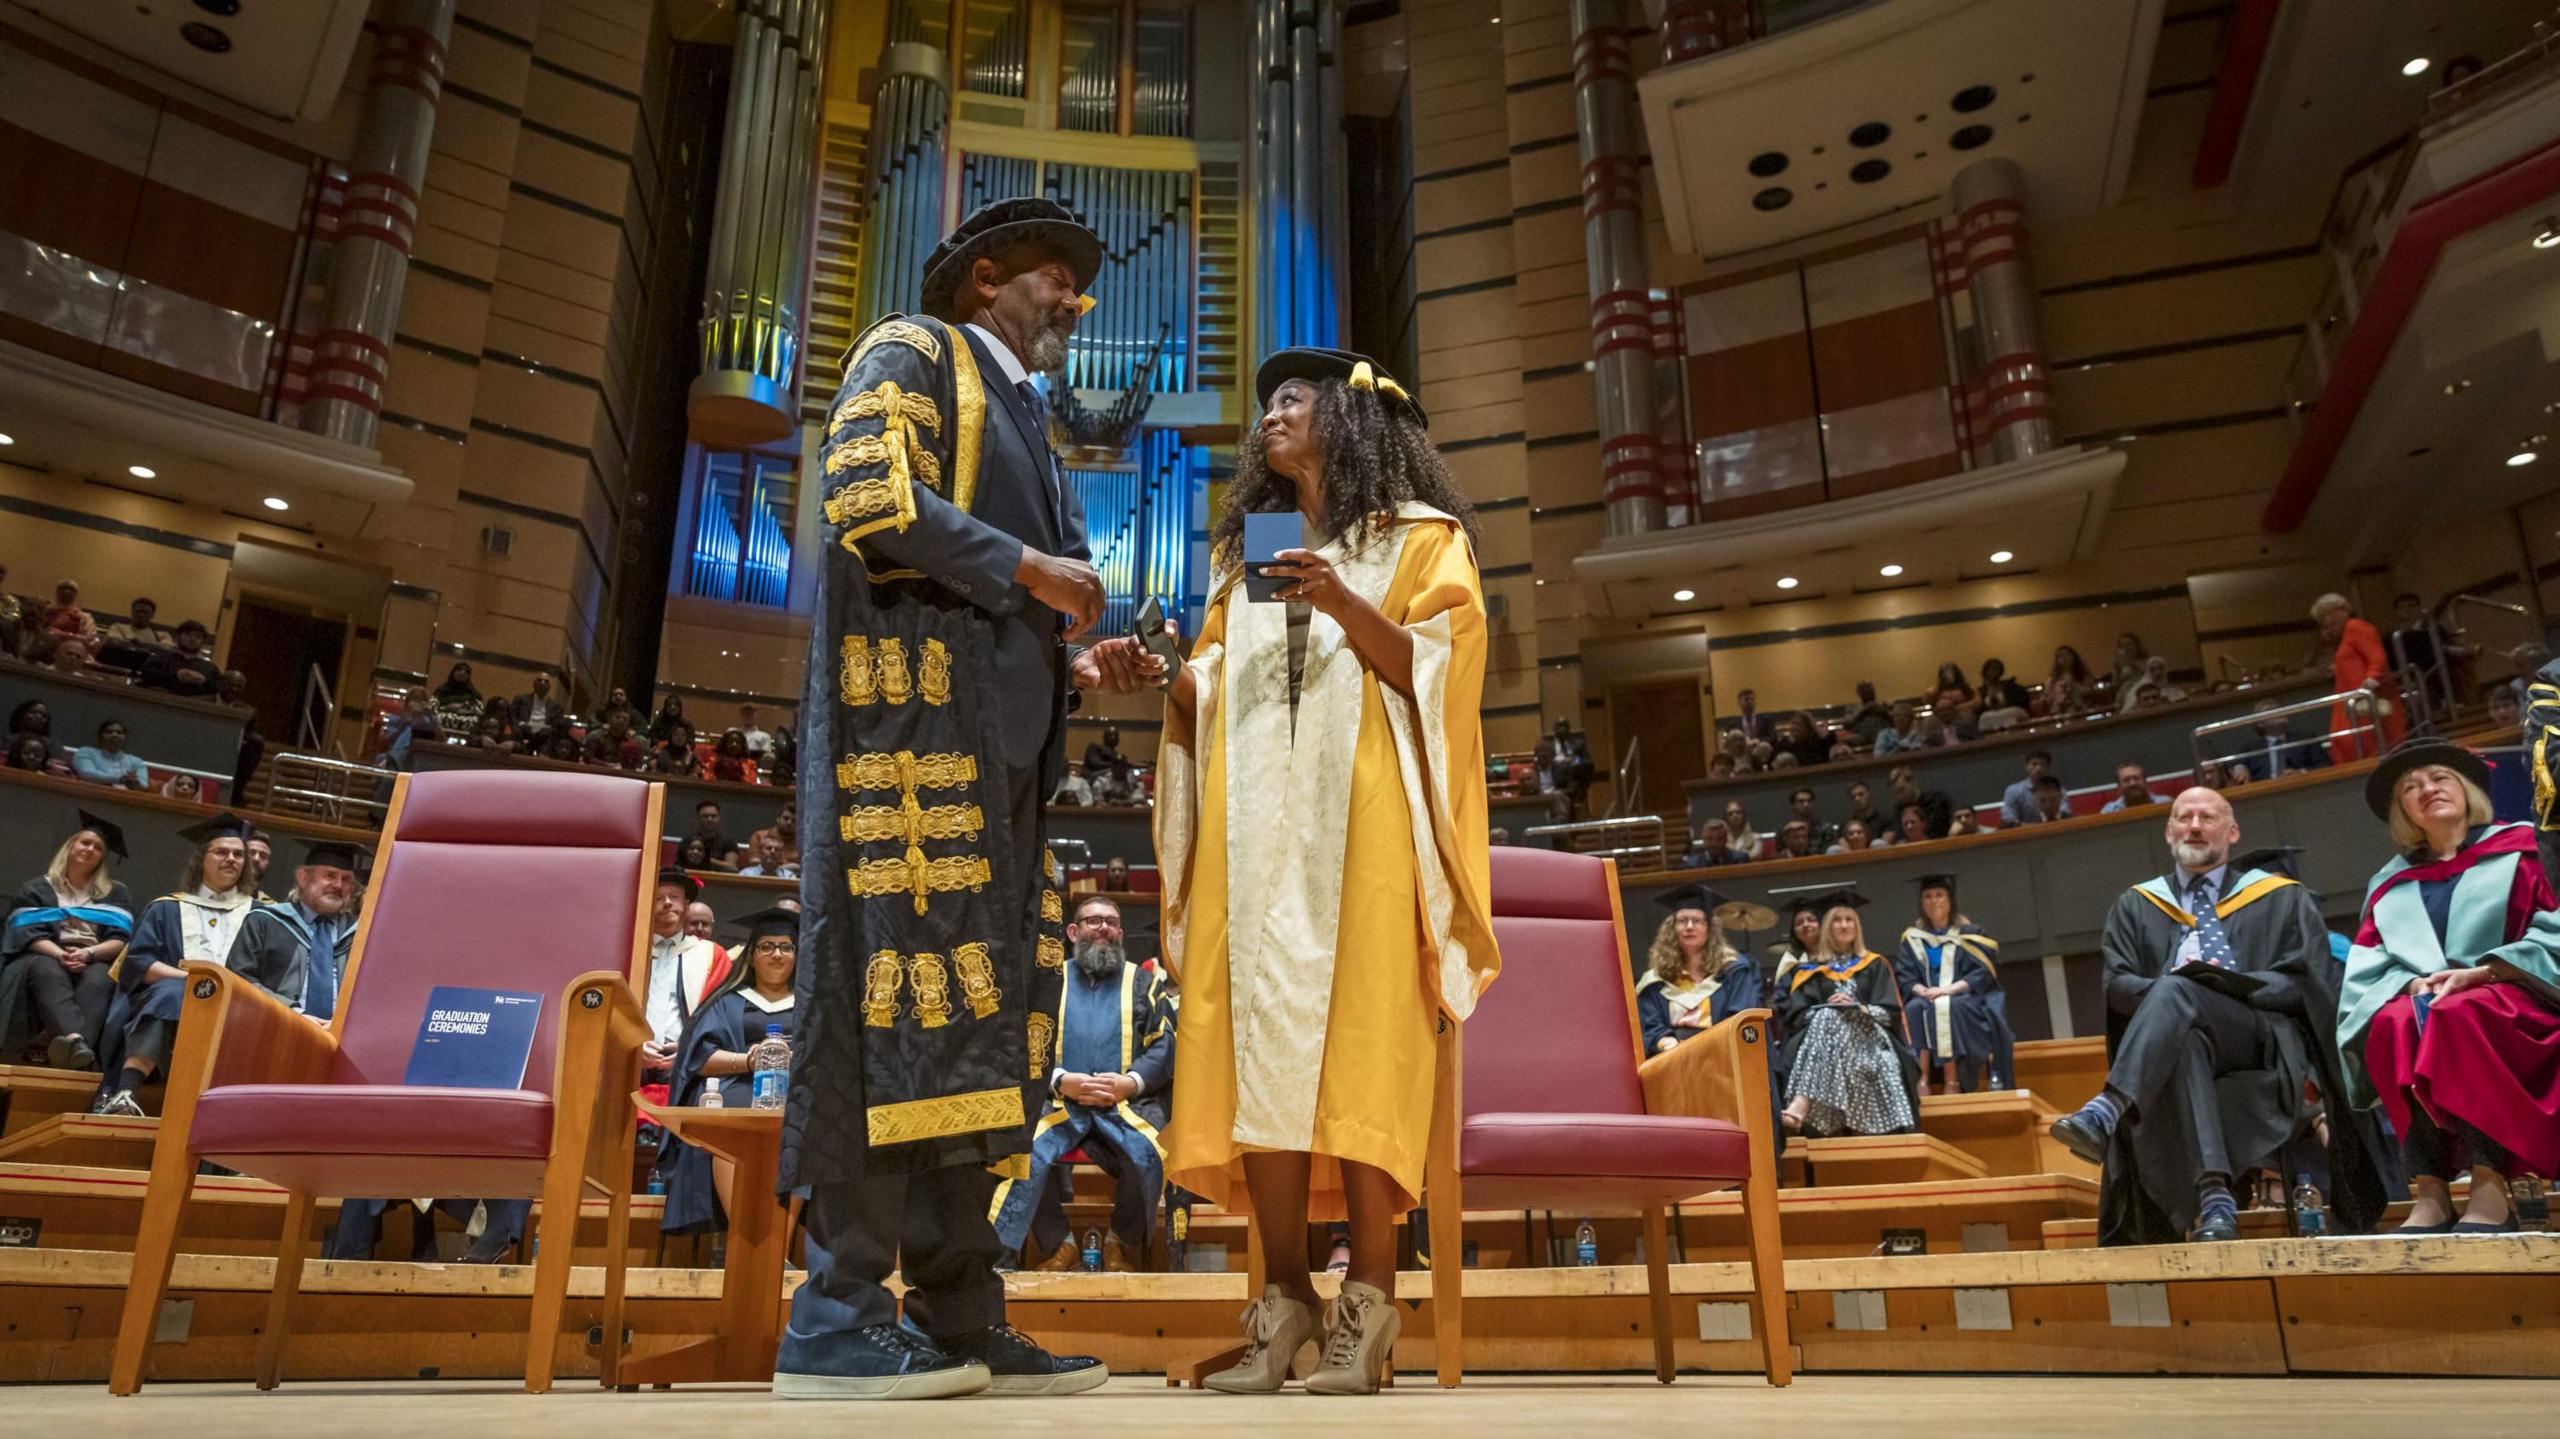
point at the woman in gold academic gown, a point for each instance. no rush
(1321, 823)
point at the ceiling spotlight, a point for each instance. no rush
(142, 472)
(2549, 234)
(1890, 571)
(277, 502)
(1682, 597)
(2001, 557)
(2520, 459)
(1786, 582)
(2417, 66)
(8, 439)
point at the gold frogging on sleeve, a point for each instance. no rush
(977, 979)
(933, 990)
(895, 685)
(911, 822)
(906, 770)
(935, 679)
(1052, 908)
(855, 681)
(869, 502)
(881, 978)
(896, 331)
(1053, 952)
(1040, 1028)
(917, 876)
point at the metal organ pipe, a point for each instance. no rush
(1613, 234)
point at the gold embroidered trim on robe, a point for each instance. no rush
(855, 680)
(907, 770)
(936, 677)
(918, 876)
(886, 500)
(880, 823)
(904, 332)
(895, 686)
(1053, 952)
(1052, 908)
(1040, 1028)
(933, 990)
(881, 978)
(977, 979)
(915, 1119)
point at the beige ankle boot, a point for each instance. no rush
(1276, 1327)
(1359, 1334)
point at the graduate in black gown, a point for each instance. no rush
(1850, 1069)
(1693, 978)
(66, 927)
(1804, 939)
(1949, 970)
(2222, 1006)
(755, 998)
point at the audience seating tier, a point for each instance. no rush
(32, 1093)
(1882, 1159)
(2085, 752)
(78, 1137)
(160, 727)
(43, 810)
(2065, 1073)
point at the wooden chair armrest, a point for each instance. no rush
(605, 997)
(602, 1027)
(255, 1037)
(1715, 1075)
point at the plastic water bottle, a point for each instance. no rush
(1093, 1250)
(657, 1184)
(711, 1095)
(2310, 1212)
(1586, 1245)
(771, 1062)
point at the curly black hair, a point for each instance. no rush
(1376, 457)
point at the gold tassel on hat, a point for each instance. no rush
(1363, 377)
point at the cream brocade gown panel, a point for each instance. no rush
(1304, 1030)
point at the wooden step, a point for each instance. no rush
(1884, 1159)
(32, 1093)
(2067, 1072)
(2006, 1129)
(111, 1141)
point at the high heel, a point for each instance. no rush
(1360, 1334)
(1276, 1327)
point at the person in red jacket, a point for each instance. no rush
(2357, 663)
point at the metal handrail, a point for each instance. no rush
(309, 734)
(1630, 778)
(2354, 700)
(354, 786)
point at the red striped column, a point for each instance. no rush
(1691, 28)
(377, 222)
(2008, 399)
(1674, 461)
(1613, 233)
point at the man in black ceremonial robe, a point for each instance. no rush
(932, 727)
(2221, 1010)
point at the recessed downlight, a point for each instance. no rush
(2001, 557)
(2521, 458)
(8, 439)
(1786, 582)
(276, 502)
(1682, 597)
(142, 472)
(1890, 571)
(2416, 66)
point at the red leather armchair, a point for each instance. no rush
(504, 880)
(1555, 1113)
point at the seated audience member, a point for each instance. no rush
(670, 715)
(13, 617)
(1964, 821)
(1118, 784)
(2018, 801)
(673, 754)
(1841, 748)
(1949, 970)
(2222, 1010)
(618, 701)
(261, 854)
(1784, 759)
(720, 851)
(730, 763)
(786, 752)
(764, 860)
(1795, 840)
(1868, 717)
(1800, 805)
(2505, 710)
(109, 762)
(2069, 688)
(1934, 803)
(413, 725)
(489, 732)
(1714, 847)
(1720, 766)
(1073, 790)
(180, 785)
(1104, 761)
(458, 702)
(2127, 666)
(1911, 826)
(1949, 695)
(2150, 689)
(784, 831)
(186, 668)
(534, 714)
(1798, 735)
(1862, 806)
(29, 753)
(759, 739)
(683, 971)
(1747, 719)
(33, 719)
(359, 1227)
(1849, 1064)
(564, 745)
(2002, 701)
(1110, 1083)
(1694, 979)
(65, 619)
(2133, 790)
(1764, 757)
(1933, 733)
(616, 745)
(1573, 756)
(1855, 838)
(2213, 775)
(1738, 825)
(65, 929)
(296, 949)
(694, 853)
(2052, 802)
(129, 643)
(699, 920)
(716, 1049)
(2279, 754)
(1902, 733)
(1115, 875)
(69, 656)
(199, 922)
(2446, 1016)
(1735, 746)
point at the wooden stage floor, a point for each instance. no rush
(2084, 1408)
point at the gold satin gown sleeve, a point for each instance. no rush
(1414, 935)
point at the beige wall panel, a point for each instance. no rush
(1466, 144)
(112, 568)
(472, 132)
(1495, 472)
(1442, 87)
(2173, 469)
(1555, 282)
(1473, 17)
(537, 403)
(1450, 426)
(2164, 157)
(1441, 363)
(2222, 380)
(460, 623)
(1462, 259)
(1550, 174)
(1563, 475)
(1462, 200)
(617, 45)
(455, 251)
(1568, 315)
(434, 466)
(1504, 533)
(1465, 43)
(1549, 239)
(1566, 402)
(562, 242)
(438, 310)
(2187, 229)
(582, 110)
(1556, 539)
(1544, 110)
(1467, 319)
(454, 176)
(546, 295)
(430, 387)
(2132, 527)
(2159, 312)
(541, 549)
(572, 173)
(1564, 347)
(1493, 388)
(1510, 734)
(486, 64)
(528, 475)
(415, 536)
(466, 215)
(548, 347)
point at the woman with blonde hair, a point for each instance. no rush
(2357, 662)
(66, 928)
(2449, 1013)
(1849, 1065)
(1693, 978)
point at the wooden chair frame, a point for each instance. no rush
(236, 1033)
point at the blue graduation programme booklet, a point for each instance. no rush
(474, 1038)
(1265, 536)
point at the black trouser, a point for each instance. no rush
(359, 1226)
(1133, 1200)
(2181, 1038)
(937, 1221)
(68, 1003)
(2442, 1151)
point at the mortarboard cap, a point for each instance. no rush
(767, 923)
(1846, 895)
(675, 875)
(1805, 904)
(337, 854)
(2278, 858)
(225, 825)
(1689, 896)
(109, 833)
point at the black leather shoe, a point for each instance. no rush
(2214, 1231)
(879, 1361)
(1020, 1367)
(2081, 1137)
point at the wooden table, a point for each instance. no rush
(759, 1235)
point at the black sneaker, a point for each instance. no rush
(879, 1361)
(1018, 1366)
